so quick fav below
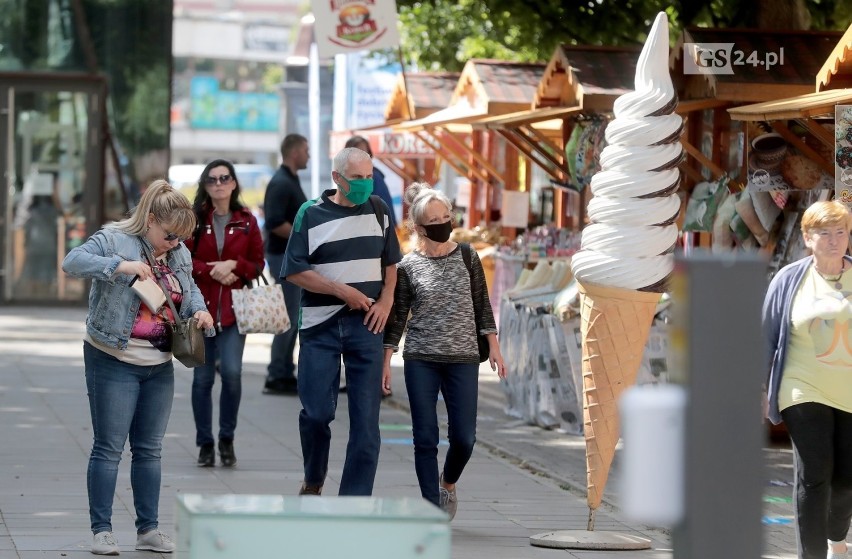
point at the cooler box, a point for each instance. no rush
(276, 527)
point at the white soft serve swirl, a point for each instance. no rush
(627, 244)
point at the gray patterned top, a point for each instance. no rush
(437, 291)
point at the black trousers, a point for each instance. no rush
(822, 442)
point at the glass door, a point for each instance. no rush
(52, 173)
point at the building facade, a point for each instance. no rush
(84, 122)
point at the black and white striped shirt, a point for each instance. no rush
(343, 244)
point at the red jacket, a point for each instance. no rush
(244, 244)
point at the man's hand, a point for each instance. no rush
(377, 316)
(354, 299)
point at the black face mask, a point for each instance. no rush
(439, 232)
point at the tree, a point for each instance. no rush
(444, 34)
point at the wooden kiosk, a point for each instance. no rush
(485, 88)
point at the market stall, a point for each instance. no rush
(540, 323)
(485, 88)
(763, 66)
(415, 95)
(562, 130)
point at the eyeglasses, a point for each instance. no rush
(224, 179)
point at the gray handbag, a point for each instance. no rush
(187, 338)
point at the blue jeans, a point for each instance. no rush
(281, 363)
(228, 346)
(459, 383)
(126, 400)
(319, 379)
(822, 445)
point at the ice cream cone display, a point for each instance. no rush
(615, 327)
(626, 251)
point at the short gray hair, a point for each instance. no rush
(346, 156)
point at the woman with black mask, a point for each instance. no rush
(449, 306)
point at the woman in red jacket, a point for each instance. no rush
(227, 253)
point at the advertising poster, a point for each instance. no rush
(212, 108)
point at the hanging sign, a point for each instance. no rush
(343, 26)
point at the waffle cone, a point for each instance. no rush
(615, 327)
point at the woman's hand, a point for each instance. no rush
(764, 404)
(386, 372)
(386, 379)
(205, 321)
(221, 269)
(230, 279)
(496, 361)
(495, 358)
(135, 268)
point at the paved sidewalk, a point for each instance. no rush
(521, 481)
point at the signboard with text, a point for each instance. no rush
(343, 26)
(385, 143)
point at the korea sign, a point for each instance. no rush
(343, 26)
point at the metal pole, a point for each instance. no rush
(314, 102)
(717, 349)
(405, 84)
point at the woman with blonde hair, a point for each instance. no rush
(127, 354)
(807, 315)
(449, 308)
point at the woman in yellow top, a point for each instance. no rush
(807, 316)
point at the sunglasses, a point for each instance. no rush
(224, 179)
(171, 236)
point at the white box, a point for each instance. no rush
(272, 526)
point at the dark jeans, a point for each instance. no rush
(822, 442)
(228, 346)
(459, 383)
(126, 401)
(281, 363)
(320, 350)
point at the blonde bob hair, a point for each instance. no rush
(826, 214)
(169, 207)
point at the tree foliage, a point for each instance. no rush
(444, 34)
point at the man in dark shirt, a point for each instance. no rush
(284, 197)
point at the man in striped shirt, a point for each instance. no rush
(343, 254)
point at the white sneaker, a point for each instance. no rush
(834, 554)
(104, 544)
(154, 540)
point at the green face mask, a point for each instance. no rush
(359, 190)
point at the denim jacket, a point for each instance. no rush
(113, 305)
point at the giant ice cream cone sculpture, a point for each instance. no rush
(626, 251)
